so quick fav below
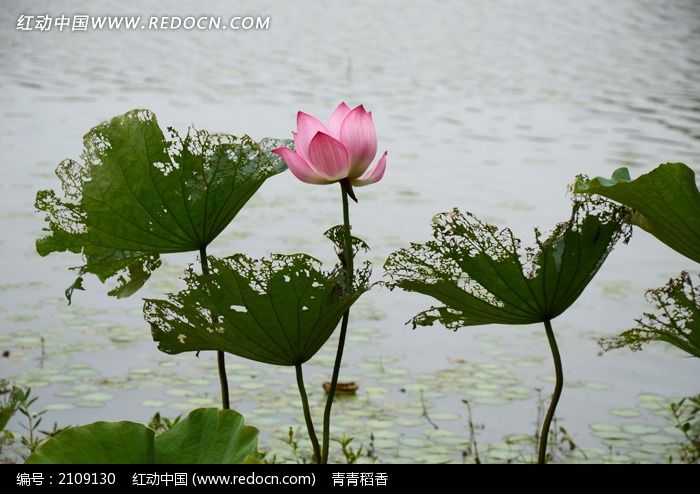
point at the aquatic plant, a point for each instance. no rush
(339, 152)
(666, 203)
(206, 435)
(137, 194)
(481, 276)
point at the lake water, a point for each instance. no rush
(492, 106)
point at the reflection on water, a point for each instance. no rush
(490, 106)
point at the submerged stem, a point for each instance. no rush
(307, 414)
(348, 261)
(542, 456)
(220, 358)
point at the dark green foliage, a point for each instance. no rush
(206, 435)
(482, 276)
(676, 319)
(279, 310)
(665, 202)
(137, 194)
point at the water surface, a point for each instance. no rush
(493, 107)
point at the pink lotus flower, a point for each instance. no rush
(342, 149)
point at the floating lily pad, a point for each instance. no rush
(387, 434)
(615, 437)
(83, 372)
(653, 450)
(267, 421)
(37, 383)
(518, 438)
(386, 443)
(444, 416)
(502, 455)
(624, 412)
(379, 424)
(59, 406)
(97, 397)
(375, 391)
(199, 382)
(141, 371)
(415, 442)
(640, 429)
(252, 385)
(602, 427)
(153, 403)
(436, 458)
(652, 405)
(639, 455)
(481, 393)
(657, 439)
(180, 393)
(199, 401)
(66, 394)
(62, 378)
(489, 400)
(485, 386)
(91, 404)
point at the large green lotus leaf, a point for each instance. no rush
(100, 442)
(207, 435)
(278, 310)
(675, 321)
(481, 275)
(666, 203)
(137, 194)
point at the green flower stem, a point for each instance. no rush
(348, 261)
(223, 380)
(220, 358)
(307, 414)
(542, 456)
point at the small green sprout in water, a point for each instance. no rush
(18, 399)
(293, 444)
(160, 423)
(351, 455)
(472, 448)
(686, 416)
